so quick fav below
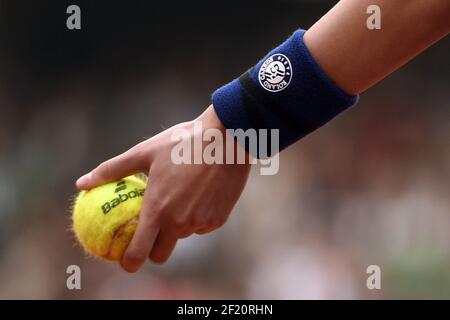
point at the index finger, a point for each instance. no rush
(130, 162)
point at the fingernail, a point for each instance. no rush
(83, 180)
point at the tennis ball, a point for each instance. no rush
(105, 217)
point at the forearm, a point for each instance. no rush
(312, 77)
(356, 58)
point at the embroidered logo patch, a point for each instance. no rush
(275, 73)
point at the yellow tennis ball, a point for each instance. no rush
(105, 217)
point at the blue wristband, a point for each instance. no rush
(286, 90)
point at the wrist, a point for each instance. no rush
(210, 120)
(286, 94)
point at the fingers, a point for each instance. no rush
(164, 245)
(125, 164)
(145, 235)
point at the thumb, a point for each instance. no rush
(128, 163)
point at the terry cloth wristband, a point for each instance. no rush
(286, 90)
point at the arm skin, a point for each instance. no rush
(355, 57)
(184, 199)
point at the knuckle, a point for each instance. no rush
(157, 206)
(180, 222)
(103, 170)
(185, 234)
(218, 222)
(203, 231)
(200, 221)
(158, 258)
(135, 152)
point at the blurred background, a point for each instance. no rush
(372, 187)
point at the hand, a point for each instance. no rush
(179, 199)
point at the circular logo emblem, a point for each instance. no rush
(275, 73)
